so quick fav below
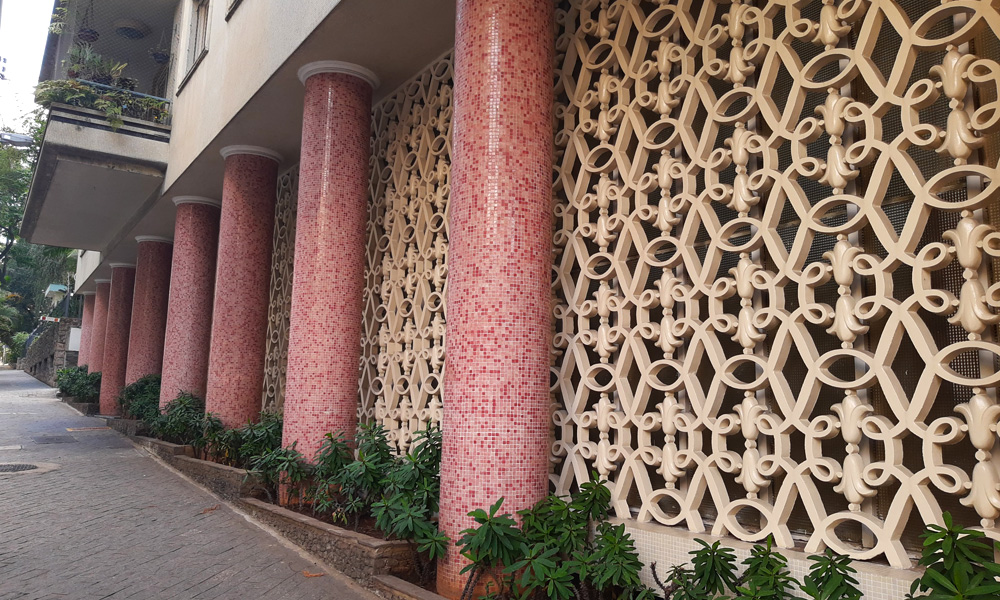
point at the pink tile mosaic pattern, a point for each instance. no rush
(496, 393)
(149, 309)
(192, 291)
(321, 393)
(86, 328)
(242, 279)
(116, 337)
(96, 350)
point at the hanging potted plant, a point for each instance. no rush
(86, 33)
(160, 53)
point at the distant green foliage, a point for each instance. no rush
(141, 400)
(17, 346)
(77, 383)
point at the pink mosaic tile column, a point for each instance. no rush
(192, 291)
(96, 349)
(149, 307)
(116, 338)
(324, 341)
(496, 389)
(242, 282)
(86, 327)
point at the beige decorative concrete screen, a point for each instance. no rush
(407, 262)
(280, 303)
(775, 298)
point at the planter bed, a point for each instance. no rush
(394, 588)
(86, 408)
(129, 427)
(357, 555)
(164, 450)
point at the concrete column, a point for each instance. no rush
(116, 338)
(149, 307)
(324, 349)
(192, 291)
(496, 389)
(96, 349)
(86, 327)
(242, 282)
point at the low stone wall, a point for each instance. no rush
(394, 588)
(49, 352)
(129, 427)
(356, 555)
(86, 408)
(228, 482)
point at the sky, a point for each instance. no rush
(23, 30)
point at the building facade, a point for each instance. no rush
(739, 259)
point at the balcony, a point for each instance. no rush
(103, 158)
(93, 174)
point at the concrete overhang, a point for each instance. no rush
(394, 38)
(91, 180)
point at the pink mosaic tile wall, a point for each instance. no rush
(149, 309)
(192, 291)
(96, 350)
(242, 280)
(86, 328)
(116, 337)
(496, 394)
(321, 393)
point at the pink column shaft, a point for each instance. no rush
(116, 338)
(324, 342)
(96, 350)
(86, 328)
(496, 390)
(149, 309)
(192, 291)
(242, 282)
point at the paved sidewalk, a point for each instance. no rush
(111, 522)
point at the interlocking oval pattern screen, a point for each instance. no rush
(407, 256)
(775, 298)
(279, 309)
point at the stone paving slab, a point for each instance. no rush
(112, 522)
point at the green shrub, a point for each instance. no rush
(182, 421)
(77, 383)
(141, 400)
(553, 554)
(959, 565)
(235, 447)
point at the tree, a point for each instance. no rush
(16, 168)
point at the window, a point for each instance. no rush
(197, 43)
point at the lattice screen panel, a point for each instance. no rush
(280, 304)
(407, 266)
(774, 303)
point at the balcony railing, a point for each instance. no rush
(115, 103)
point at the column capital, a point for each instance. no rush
(254, 150)
(339, 66)
(178, 200)
(118, 265)
(154, 238)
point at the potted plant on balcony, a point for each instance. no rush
(160, 53)
(81, 61)
(108, 71)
